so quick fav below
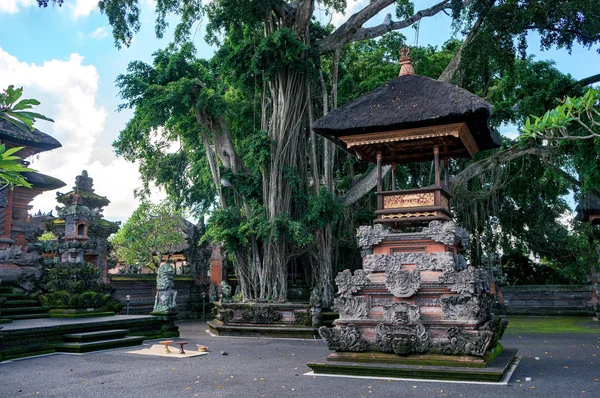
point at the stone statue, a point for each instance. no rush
(225, 292)
(11, 253)
(315, 306)
(84, 183)
(165, 294)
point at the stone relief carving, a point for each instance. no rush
(459, 342)
(402, 340)
(427, 302)
(470, 281)
(402, 283)
(343, 338)
(402, 313)
(165, 300)
(261, 314)
(11, 253)
(423, 261)
(349, 284)
(368, 236)
(381, 302)
(447, 233)
(460, 307)
(351, 307)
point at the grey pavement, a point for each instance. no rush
(49, 322)
(568, 366)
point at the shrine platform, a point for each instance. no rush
(29, 337)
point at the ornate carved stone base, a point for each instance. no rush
(415, 295)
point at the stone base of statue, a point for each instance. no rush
(293, 320)
(415, 303)
(169, 328)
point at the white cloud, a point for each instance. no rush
(99, 33)
(67, 90)
(83, 8)
(13, 6)
(351, 7)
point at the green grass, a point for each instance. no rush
(551, 325)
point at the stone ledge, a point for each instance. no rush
(493, 373)
(265, 330)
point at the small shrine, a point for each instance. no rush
(16, 231)
(81, 225)
(415, 301)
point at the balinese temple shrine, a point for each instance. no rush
(15, 204)
(416, 308)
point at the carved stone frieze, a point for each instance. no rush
(381, 302)
(351, 307)
(402, 313)
(402, 283)
(349, 284)
(402, 340)
(428, 302)
(448, 233)
(343, 338)
(462, 343)
(471, 281)
(368, 236)
(438, 261)
(460, 307)
(260, 314)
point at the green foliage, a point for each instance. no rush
(150, 232)
(280, 50)
(17, 113)
(11, 167)
(75, 286)
(46, 236)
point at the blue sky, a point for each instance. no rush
(66, 58)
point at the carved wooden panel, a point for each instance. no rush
(408, 200)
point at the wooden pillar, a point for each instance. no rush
(393, 176)
(436, 161)
(379, 197)
(446, 175)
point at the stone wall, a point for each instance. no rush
(142, 290)
(547, 300)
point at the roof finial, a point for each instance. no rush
(406, 67)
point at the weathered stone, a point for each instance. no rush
(402, 340)
(438, 261)
(402, 283)
(402, 313)
(349, 284)
(343, 338)
(462, 343)
(369, 236)
(351, 307)
(165, 300)
(471, 281)
(447, 233)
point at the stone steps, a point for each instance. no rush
(19, 303)
(25, 316)
(97, 335)
(88, 346)
(23, 310)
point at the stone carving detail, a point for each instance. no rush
(344, 338)
(459, 342)
(225, 292)
(261, 314)
(3, 203)
(460, 262)
(427, 302)
(369, 236)
(351, 307)
(447, 233)
(402, 313)
(460, 307)
(402, 340)
(381, 302)
(348, 284)
(11, 253)
(165, 294)
(471, 281)
(423, 261)
(402, 283)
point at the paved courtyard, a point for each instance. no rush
(568, 366)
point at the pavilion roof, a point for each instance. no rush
(410, 102)
(35, 139)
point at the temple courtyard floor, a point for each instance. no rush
(559, 357)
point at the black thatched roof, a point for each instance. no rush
(406, 102)
(588, 206)
(34, 139)
(42, 181)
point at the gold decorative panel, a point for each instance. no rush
(407, 215)
(408, 200)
